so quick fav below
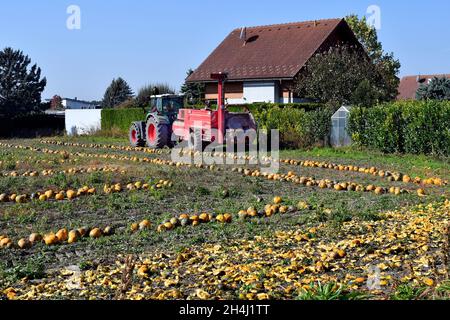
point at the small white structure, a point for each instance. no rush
(77, 104)
(79, 122)
(339, 135)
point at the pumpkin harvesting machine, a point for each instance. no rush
(169, 122)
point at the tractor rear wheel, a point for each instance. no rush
(158, 134)
(136, 135)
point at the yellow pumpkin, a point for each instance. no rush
(277, 200)
(108, 231)
(421, 193)
(170, 226)
(3, 197)
(204, 217)
(227, 217)
(24, 244)
(184, 216)
(83, 231)
(35, 238)
(50, 239)
(74, 236)
(62, 235)
(42, 197)
(6, 242)
(71, 194)
(242, 214)
(134, 227)
(95, 233)
(49, 194)
(145, 224)
(283, 209)
(59, 196)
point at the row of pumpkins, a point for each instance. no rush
(70, 171)
(84, 191)
(326, 183)
(339, 186)
(60, 237)
(64, 236)
(185, 220)
(391, 176)
(103, 146)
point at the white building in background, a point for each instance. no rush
(75, 104)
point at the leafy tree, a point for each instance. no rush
(118, 92)
(144, 94)
(339, 76)
(21, 86)
(56, 103)
(194, 92)
(436, 89)
(386, 64)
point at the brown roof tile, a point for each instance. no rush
(274, 51)
(409, 85)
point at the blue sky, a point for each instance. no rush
(158, 40)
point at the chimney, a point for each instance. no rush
(243, 35)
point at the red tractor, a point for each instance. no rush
(168, 122)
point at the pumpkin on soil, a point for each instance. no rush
(74, 236)
(50, 239)
(277, 200)
(49, 194)
(108, 231)
(24, 244)
(5, 243)
(145, 224)
(185, 222)
(3, 197)
(134, 227)
(95, 233)
(204, 217)
(35, 238)
(242, 214)
(83, 231)
(71, 194)
(170, 226)
(59, 196)
(62, 235)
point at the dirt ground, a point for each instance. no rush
(315, 237)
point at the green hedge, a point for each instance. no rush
(121, 118)
(417, 127)
(300, 125)
(298, 128)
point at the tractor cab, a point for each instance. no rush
(166, 104)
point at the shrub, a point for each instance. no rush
(417, 127)
(298, 128)
(120, 118)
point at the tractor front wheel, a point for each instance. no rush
(158, 134)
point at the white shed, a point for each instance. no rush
(339, 135)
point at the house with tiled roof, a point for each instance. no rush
(262, 62)
(410, 84)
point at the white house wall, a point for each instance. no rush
(83, 121)
(260, 92)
